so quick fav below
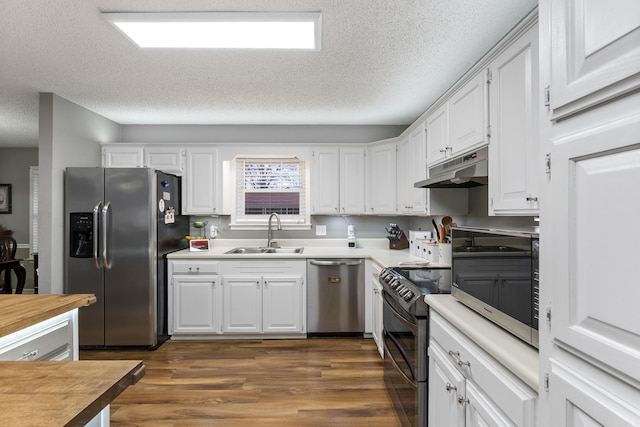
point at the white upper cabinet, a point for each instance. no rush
(352, 180)
(411, 168)
(515, 164)
(338, 180)
(164, 158)
(199, 183)
(468, 114)
(382, 178)
(122, 155)
(325, 181)
(460, 124)
(596, 52)
(438, 134)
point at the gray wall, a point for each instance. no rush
(14, 170)
(70, 135)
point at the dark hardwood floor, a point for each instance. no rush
(314, 382)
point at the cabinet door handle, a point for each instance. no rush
(450, 387)
(530, 198)
(462, 400)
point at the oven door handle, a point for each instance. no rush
(404, 356)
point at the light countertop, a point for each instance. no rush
(518, 357)
(375, 249)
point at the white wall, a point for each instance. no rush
(70, 135)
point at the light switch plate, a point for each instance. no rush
(321, 230)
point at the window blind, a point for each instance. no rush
(34, 179)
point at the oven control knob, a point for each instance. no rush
(408, 296)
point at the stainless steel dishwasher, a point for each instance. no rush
(335, 297)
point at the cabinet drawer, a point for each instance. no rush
(48, 343)
(202, 267)
(509, 393)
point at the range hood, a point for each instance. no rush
(467, 170)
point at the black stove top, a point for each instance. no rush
(408, 286)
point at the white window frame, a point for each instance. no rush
(241, 221)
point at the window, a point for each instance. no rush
(267, 185)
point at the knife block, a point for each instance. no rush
(403, 243)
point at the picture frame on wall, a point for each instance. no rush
(5, 198)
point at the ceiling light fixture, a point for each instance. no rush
(220, 30)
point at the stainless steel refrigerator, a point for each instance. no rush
(120, 223)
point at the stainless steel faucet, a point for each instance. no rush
(269, 232)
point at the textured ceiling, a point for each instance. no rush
(382, 62)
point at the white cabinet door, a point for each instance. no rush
(583, 396)
(352, 180)
(382, 178)
(596, 52)
(325, 174)
(199, 184)
(446, 386)
(482, 412)
(515, 165)
(122, 156)
(404, 192)
(468, 116)
(595, 174)
(377, 308)
(411, 166)
(242, 304)
(283, 304)
(438, 134)
(196, 304)
(164, 158)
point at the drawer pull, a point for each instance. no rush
(29, 354)
(456, 355)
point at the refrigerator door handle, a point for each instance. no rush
(105, 236)
(96, 222)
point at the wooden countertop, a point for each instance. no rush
(62, 393)
(24, 310)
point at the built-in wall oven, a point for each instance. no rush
(495, 272)
(406, 336)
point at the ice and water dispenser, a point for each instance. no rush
(81, 229)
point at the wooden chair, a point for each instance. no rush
(9, 263)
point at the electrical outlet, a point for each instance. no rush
(321, 230)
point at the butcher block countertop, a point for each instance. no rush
(62, 393)
(21, 311)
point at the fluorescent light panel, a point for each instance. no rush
(221, 30)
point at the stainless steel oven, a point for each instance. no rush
(495, 272)
(406, 337)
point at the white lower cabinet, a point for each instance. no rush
(377, 309)
(196, 302)
(468, 387)
(49, 340)
(264, 297)
(248, 297)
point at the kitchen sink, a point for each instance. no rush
(258, 250)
